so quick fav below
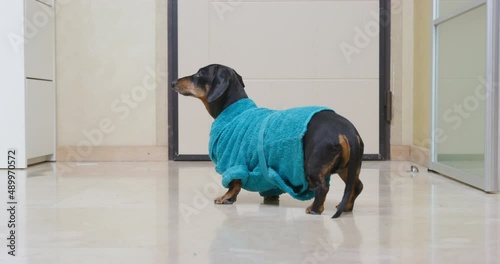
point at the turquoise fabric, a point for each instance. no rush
(262, 147)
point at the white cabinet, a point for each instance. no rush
(39, 35)
(27, 81)
(47, 2)
(40, 118)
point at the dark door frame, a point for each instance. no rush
(385, 96)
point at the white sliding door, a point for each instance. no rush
(465, 92)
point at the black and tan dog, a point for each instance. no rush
(331, 143)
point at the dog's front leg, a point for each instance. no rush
(231, 194)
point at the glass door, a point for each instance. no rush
(465, 92)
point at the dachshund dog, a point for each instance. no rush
(331, 144)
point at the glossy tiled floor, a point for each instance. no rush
(163, 213)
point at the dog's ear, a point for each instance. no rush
(240, 80)
(220, 84)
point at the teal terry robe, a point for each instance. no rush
(262, 148)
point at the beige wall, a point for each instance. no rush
(422, 73)
(111, 66)
(161, 73)
(402, 72)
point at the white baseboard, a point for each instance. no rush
(112, 153)
(411, 153)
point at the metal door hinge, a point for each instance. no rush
(388, 106)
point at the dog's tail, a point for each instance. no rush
(355, 158)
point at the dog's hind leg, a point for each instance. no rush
(230, 196)
(319, 181)
(317, 207)
(353, 149)
(356, 189)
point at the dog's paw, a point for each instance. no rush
(221, 200)
(347, 209)
(272, 200)
(309, 210)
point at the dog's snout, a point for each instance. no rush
(173, 84)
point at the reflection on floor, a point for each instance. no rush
(164, 213)
(474, 167)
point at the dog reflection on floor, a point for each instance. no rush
(263, 234)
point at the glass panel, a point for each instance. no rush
(461, 92)
(447, 7)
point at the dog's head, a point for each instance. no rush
(209, 83)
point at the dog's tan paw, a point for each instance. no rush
(309, 210)
(221, 200)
